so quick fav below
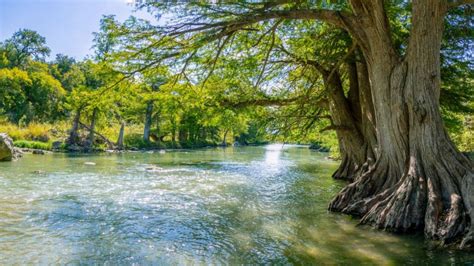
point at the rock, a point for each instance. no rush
(153, 168)
(39, 152)
(18, 152)
(75, 148)
(38, 172)
(162, 151)
(89, 163)
(7, 150)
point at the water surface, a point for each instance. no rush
(246, 205)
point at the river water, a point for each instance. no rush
(243, 205)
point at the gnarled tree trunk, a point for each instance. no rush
(420, 180)
(352, 118)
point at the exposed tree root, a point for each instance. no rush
(347, 169)
(436, 197)
(367, 183)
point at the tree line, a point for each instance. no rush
(91, 95)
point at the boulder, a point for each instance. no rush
(7, 150)
(39, 152)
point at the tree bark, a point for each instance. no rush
(148, 121)
(347, 131)
(352, 118)
(121, 136)
(73, 134)
(224, 142)
(419, 180)
(91, 137)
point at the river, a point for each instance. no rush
(241, 205)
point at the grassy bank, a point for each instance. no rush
(42, 136)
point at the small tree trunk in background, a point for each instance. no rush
(121, 136)
(90, 139)
(73, 134)
(148, 121)
(224, 143)
(182, 135)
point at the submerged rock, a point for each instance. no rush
(39, 152)
(75, 148)
(7, 151)
(153, 168)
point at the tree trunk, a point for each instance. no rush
(121, 136)
(73, 134)
(224, 142)
(419, 180)
(91, 137)
(348, 134)
(158, 121)
(352, 120)
(148, 121)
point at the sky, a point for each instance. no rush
(67, 25)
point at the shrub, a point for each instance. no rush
(136, 141)
(37, 132)
(33, 132)
(13, 131)
(32, 144)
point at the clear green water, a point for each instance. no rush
(249, 205)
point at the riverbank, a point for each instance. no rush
(49, 137)
(35, 147)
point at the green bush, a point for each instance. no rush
(136, 141)
(32, 144)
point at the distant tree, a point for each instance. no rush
(23, 45)
(64, 63)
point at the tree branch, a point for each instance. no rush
(261, 102)
(329, 16)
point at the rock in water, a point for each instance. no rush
(7, 150)
(40, 152)
(89, 163)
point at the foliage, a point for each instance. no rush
(24, 45)
(32, 144)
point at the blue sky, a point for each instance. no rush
(67, 24)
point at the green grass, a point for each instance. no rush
(32, 144)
